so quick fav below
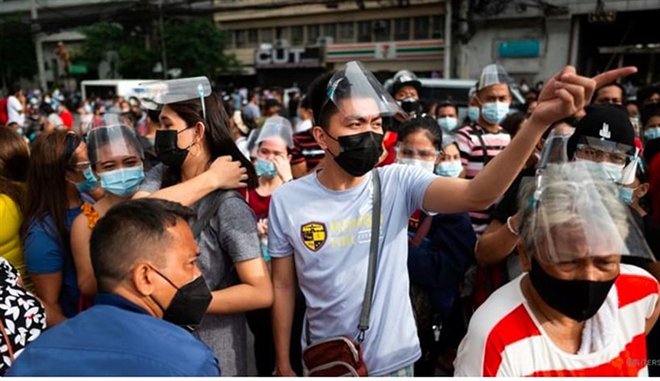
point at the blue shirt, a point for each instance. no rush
(116, 338)
(45, 253)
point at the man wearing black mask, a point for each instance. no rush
(405, 90)
(320, 225)
(151, 294)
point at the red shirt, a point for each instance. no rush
(67, 118)
(259, 204)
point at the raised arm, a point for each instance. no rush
(563, 95)
(222, 174)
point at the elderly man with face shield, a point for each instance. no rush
(577, 311)
(342, 230)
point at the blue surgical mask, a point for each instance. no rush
(122, 182)
(626, 195)
(448, 123)
(449, 168)
(265, 168)
(494, 112)
(652, 133)
(89, 184)
(473, 113)
(614, 171)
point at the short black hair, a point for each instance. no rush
(15, 88)
(647, 92)
(446, 103)
(154, 115)
(512, 123)
(132, 230)
(649, 111)
(304, 102)
(422, 123)
(271, 103)
(623, 91)
(318, 98)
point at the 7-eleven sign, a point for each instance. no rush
(385, 51)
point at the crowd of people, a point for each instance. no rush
(353, 230)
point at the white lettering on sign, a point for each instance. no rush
(279, 56)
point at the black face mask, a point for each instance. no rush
(359, 153)
(189, 304)
(167, 150)
(577, 299)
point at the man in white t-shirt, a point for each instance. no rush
(319, 225)
(16, 107)
(577, 311)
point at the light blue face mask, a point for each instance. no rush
(473, 114)
(89, 184)
(265, 168)
(652, 133)
(122, 182)
(626, 195)
(448, 123)
(494, 112)
(449, 168)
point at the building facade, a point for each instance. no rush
(287, 45)
(534, 40)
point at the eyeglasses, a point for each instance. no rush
(599, 155)
(427, 155)
(80, 166)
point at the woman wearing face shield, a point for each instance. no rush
(577, 311)
(439, 248)
(196, 148)
(116, 158)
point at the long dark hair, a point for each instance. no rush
(52, 154)
(425, 124)
(219, 140)
(14, 164)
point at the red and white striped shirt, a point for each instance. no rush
(505, 338)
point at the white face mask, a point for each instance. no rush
(426, 165)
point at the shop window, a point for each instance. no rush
(422, 28)
(346, 32)
(266, 35)
(402, 29)
(313, 33)
(364, 31)
(240, 38)
(282, 33)
(252, 37)
(382, 30)
(330, 30)
(297, 35)
(438, 27)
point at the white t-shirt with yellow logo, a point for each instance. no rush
(329, 233)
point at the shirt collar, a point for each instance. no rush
(119, 302)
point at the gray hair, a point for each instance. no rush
(572, 196)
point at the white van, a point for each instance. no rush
(108, 88)
(458, 90)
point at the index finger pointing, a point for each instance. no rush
(612, 75)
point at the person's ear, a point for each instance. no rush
(289, 157)
(200, 131)
(643, 190)
(525, 263)
(143, 278)
(320, 137)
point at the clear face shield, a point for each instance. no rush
(276, 127)
(358, 95)
(112, 144)
(572, 211)
(154, 95)
(492, 75)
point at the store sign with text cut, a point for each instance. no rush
(287, 58)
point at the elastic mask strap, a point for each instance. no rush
(200, 90)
